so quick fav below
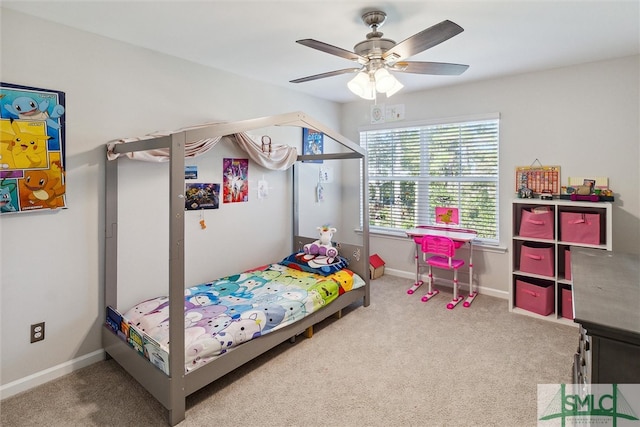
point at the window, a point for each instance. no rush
(415, 168)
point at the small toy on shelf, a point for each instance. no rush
(581, 190)
(546, 195)
(585, 198)
(525, 193)
(593, 189)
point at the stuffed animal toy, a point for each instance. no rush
(323, 245)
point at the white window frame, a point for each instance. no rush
(424, 212)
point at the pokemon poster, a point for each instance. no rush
(32, 149)
(235, 180)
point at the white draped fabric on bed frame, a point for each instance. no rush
(171, 390)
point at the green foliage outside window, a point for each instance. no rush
(413, 170)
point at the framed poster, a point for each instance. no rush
(235, 180)
(32, 149)
(312, 143)
(201, 196)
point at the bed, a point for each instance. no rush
(231, 320)
(224, 313)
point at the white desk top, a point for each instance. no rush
(461, 234)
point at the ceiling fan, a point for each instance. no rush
(377, 56)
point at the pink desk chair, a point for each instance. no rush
(445, 217)
(439, 252)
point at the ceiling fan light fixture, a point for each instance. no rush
(370, 92)
(394, 89)
(361, 85)
(384, 80)
(369, 89)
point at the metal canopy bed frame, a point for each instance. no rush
(171, 390)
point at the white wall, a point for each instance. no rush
(52, 263)
(584, 118)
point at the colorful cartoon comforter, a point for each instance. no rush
(222, 314)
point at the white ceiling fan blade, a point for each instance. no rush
(327, 74)
(423, 40)
(333, 50)
(433, 68)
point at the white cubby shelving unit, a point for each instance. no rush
(559, 280)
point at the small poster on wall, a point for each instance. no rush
(202, 196)
(235, 180)
(32, 149)
(191, 172)
(312, 143)
(263, 189)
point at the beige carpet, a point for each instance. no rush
(398, 362)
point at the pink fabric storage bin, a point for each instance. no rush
(537, 258)
(567, 264)
(578, 227)
(567, 303)
(536, 225)
(537, 298)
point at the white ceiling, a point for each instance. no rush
(257, 39)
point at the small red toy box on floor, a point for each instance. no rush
(376, 266)
(537, 298)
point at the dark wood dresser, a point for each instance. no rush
(606, 304)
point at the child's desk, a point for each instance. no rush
(461, 235)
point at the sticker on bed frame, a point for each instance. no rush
(235, 180)
(32, 149)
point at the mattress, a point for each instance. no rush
(222, 314)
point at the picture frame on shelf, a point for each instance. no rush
(591, 183)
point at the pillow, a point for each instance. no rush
(315, 263)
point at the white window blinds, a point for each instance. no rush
(414, 169)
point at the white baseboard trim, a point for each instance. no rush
(481, 289)
(39, 378)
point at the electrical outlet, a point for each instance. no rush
(37, 332)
